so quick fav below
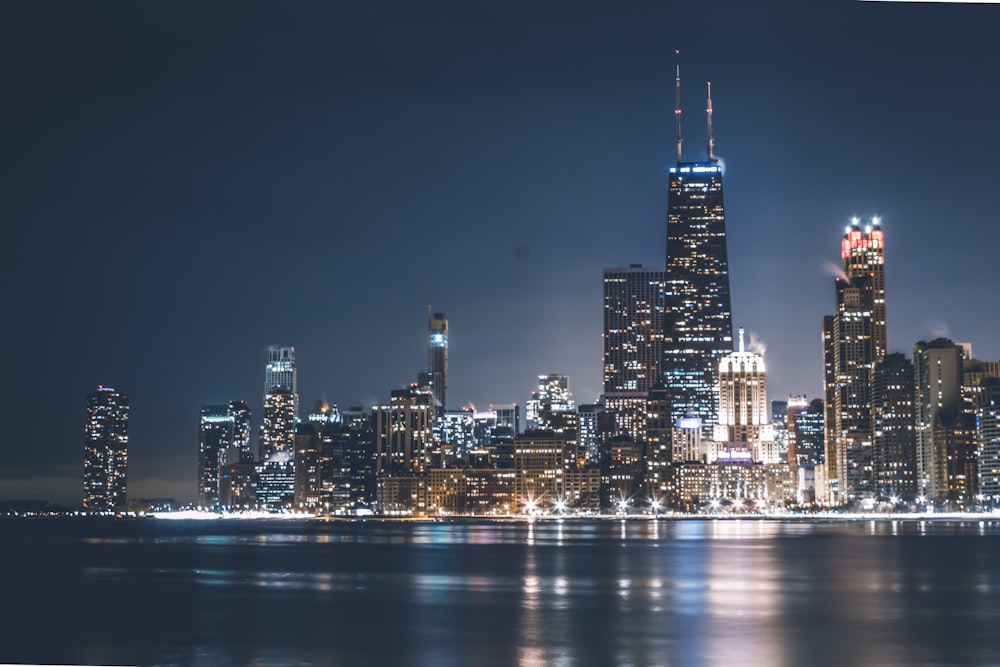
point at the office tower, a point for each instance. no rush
(105, 451)
(794, 406)
(277, 432)
(988, 435)
(743, 409)
(854, 340)
(437, 358)
(548, 475)
(698, 329)
(403, 431)
(276, 479)
(659, 442)
(551, 403)
(779, 412)
(633, 342)
(587, 421)
(280, 372)
(938, 406)
(509, 417)
(224, 439)
(807, 425)
(895, 444)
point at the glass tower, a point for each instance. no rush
(698, 323)
(437, 359)
(280, 372)
(105, 451)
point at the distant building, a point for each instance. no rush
(988, 434)
(744, 420)
(938, 407)
(276, 480)
(105, 451)
(698, 328)
(280, 372)
(854, 341)
(403, 432)
(633, 342)
(437, 359)
(277, 432)
(895, 441)
(224, 439)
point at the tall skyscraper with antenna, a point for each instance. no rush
(698, 327)
(854, 341)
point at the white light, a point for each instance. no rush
(876, 221)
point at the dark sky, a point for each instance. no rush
(186, 183)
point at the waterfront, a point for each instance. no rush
(461, 592)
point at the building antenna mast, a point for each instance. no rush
(711, 139)
(677, 103)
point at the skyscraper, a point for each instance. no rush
(895, 447)
(280, 372)
(743, 406)
(224, 440)
(277, 432)
(854, 341)
(939, 413)
(437, 359)
(698, 328)
(633, 342)
(105, 451)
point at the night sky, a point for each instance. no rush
(187, 183)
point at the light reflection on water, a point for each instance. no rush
(694, 592)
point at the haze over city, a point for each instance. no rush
(188, 184)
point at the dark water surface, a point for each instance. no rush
(693, 592)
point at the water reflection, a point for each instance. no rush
(653, 592)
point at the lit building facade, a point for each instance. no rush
(854, 341)
(224, 439)
(437, 359)
(280, 372)
(105, 451)
(633, 341)
(744, 418)
(403, 431)
(895, 441)
(938, 406)
(988, 435)
(277, 432)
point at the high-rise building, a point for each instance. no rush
(403, 434)
(281, 372)
(633, 342)
(938, 387)
(277, 432)
(698, 328)
(551, 403)
(895, 445)
(224, 439)
(437, 359)
(105, 451)
(854, 341)
(988, 435)
(743, 409)
(806, 433)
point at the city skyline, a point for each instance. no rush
(236, 198)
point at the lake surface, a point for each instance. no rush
(466, 592)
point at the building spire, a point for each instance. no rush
(741, 331)
(711, 139)
(677, 102)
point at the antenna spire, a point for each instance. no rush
(711, 139)
(677, 103)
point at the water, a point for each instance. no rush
(691, 592)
